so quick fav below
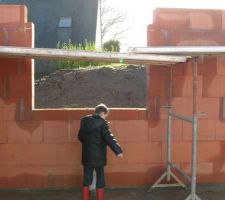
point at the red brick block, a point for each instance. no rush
(209, 106)
(25, 176)
(221, 65)
(157, 85)
(138, 153)
(210, 151)
(28, 154)
(208, 67)
(195, 38)
(74, 129)
(202, 168)
(181, 152)
(13, 15)
(8, 112)
(159, 132)
(223, 20)
(68, 154)
(17, 85)
(131, 131)
(206, 130)
(4, 177)
(62, 176)
(164, 17)
(56, 131)
(26, 132)
(156, 37)
(220, 130)
(206, 20)
(9, 66)
(213, 86)
(182, 106)
(3, 132)
(182, 86)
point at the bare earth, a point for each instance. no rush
(117, 87)
(205, 193)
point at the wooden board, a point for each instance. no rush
(128, 58)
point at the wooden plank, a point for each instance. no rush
(178, 50)
(59, 54)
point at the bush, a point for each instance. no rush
(112, 46)
(71, 64)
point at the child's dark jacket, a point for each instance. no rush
(94, 134)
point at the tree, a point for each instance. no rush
(110, 22)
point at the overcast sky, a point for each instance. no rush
(139, 15)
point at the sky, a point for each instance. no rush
(139, 14)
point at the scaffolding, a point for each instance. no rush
(170, 166)
(162, 56)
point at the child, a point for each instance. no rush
(94, 134)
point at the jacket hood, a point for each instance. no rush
(91, 122)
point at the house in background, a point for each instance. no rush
(61, 20)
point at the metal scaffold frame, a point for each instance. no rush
(170, 167)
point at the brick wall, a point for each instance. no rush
(39, 148)
(188, 27)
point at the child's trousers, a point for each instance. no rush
(88, 176)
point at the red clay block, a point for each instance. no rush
(131, 131)
(62, 176)
(182, 106)
(30, 154)
(9, 66)
(209, 106)
(210, 151)
(56, 131)
(159, 132)
(206, 20)
(220, 65)
(156, 37)
(4, 177)
(13, 15)
(223, 20)
(208, 67)
(74, 127)
(164, 17)
(3, 132)
(17, 85)
(220, 130)
(206, 130)
(213, 86)
(181, 152)
(137, 153)
(25, 176)
(182, 86)
(195, 38)
(8, 112)
(26, 132)
(68, 154)
(202, 168)
(157, 85)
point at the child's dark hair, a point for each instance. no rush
(101, 108)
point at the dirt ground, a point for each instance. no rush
(117, 87)
(205, 193)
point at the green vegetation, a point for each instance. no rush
(70, 64)
(112, 46)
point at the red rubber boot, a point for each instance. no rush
(100, 193)
(86, 193)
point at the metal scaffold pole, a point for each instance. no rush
(170, 167)
(193, 195)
